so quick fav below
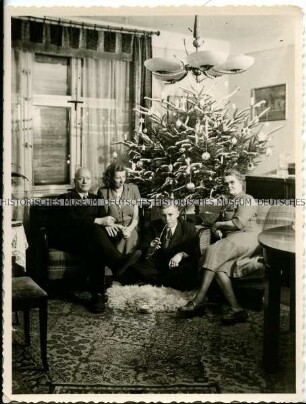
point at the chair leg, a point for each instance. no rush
(26, 319)
(16, 318)
(43, 325)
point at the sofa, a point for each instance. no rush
(50, 264)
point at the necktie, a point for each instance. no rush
(167, 238)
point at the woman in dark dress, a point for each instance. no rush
(236, 231)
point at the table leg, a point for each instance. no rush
(271, 314)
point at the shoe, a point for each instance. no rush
(234, 316)
(191, 309)
(128, 261)
(97, 303)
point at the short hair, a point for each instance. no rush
(235, 173)
(77, 171)
(109, 174)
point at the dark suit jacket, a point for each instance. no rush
(184, 239)
(75, 216)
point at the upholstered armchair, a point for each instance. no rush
(48, 263)
(249, 288)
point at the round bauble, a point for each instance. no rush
(178, 123)
(205, 156)
(196, 43)
(234, 141)
(190, 186)
(261, 136)
(145, 130)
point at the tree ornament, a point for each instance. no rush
(245, 132)
(268, 152)
(188, 170)
(251, 166)
(261, 136)
(170, 168)
(197, 127)
(182, 150)
(205, 156)
(139, 164)
(234, 141)
(172, 195)
(190, 186)
(178, 123)
(210, 178)
(145, 130)
(196, 42)
(115, 155)
(143, 147)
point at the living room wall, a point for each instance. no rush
(271, 67)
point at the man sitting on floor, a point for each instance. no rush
(80, 230)
(170, 253)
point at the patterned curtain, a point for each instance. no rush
(141, 79)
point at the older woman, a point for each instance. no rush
(236, 231)
(123, 214)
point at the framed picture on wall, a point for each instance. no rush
(275, 97)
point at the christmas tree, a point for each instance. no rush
(187, 158)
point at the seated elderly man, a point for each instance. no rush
(170, 253)
(80, 229)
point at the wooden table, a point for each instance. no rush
(279, 252)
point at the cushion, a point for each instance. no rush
(24, 287)
(62, 264)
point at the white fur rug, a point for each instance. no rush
(146, 298)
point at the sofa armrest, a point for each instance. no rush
(204, 237)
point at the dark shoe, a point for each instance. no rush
(97, 303)
(233, 317)
(191, 309)
(128, 261)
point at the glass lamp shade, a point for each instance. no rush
(164, 65)
(171, 77)
(235, 64)
(213, 73)
(206, 59)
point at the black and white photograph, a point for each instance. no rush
(153, 204)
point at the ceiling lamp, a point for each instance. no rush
(207, 62)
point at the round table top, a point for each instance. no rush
(278, 238)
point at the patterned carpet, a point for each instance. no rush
(125, 352)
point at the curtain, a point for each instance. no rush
(141, 79)
(120, 86)
(21, 130)
(106, 113)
